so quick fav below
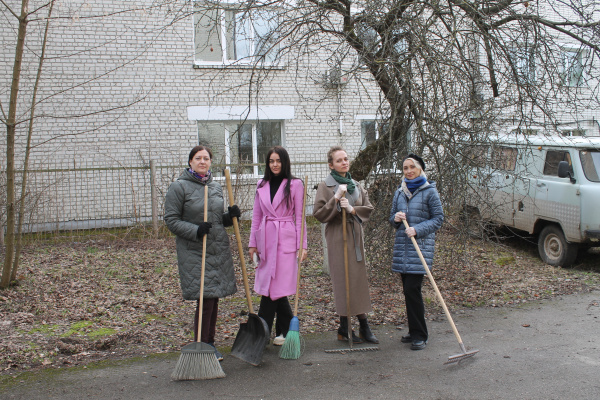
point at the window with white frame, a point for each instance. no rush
(226, 33)
(242, 145)
(368, 133)
(574, 61)
(370, 130)
(523, 62)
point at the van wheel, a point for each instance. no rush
(554, 248)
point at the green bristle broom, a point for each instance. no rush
(291, 348)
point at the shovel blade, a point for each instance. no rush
(249, 344)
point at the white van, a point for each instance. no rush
(548, 186)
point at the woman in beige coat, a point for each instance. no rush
(339, 191)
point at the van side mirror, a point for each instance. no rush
(563, 171)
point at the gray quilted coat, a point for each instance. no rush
(184, 210)
(424, 212)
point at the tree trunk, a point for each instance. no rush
(15, 267)
(10, 148)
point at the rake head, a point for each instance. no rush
(459, 357)
(344, 351)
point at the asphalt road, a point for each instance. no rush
(542, 350)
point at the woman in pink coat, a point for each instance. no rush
(275, 240)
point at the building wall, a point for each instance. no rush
(114, 95)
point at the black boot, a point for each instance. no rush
(343, 331)
(365, 331)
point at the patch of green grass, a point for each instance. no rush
(152, 317)
(91, 250)
(504, 260)
(101, 332)
(45, 328)
(113, 273)
(77, 327)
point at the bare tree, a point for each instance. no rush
(30, 55)
(444, 69)
(11, 122)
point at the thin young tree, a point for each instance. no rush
(24, 101)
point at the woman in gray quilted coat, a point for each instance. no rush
(418, 202)
(184, 216)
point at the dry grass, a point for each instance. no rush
(106, 298)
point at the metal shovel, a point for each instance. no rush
(249, 344)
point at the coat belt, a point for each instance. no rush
(351, 222)
(275, 242)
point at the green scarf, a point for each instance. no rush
(347, 180)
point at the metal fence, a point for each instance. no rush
(77, 200)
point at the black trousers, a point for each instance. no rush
(281, 307)
(415, 308)
(210, 309)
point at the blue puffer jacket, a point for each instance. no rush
(424, 212)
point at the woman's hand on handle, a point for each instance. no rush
(399, 216)
(341, 190)
(304, 254)
(410, 231)
(234, 211)
(345, 204)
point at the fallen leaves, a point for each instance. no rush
(97, 299)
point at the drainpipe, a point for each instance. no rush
(340, 117)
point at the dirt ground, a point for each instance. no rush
(109, 298)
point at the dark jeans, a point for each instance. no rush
(281, 307)
(415, 309)
(210, 309)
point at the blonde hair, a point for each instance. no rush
(417, 164)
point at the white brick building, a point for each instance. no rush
(139, 64)
(128, 82)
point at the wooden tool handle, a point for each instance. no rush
(201, 296)
(301, 246)
(347, 273)
(236, 228)
(435, 287)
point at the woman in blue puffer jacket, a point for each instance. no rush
(417, 201)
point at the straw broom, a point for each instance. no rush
(291, 348)
(198, 360)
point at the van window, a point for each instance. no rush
(553, 157)
(504, 158)
(590, 161)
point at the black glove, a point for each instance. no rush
(234, 211)
(203, 229)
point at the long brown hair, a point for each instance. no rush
(286, 170)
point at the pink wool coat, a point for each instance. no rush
(275, 233)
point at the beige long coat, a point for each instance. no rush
(327, 210)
